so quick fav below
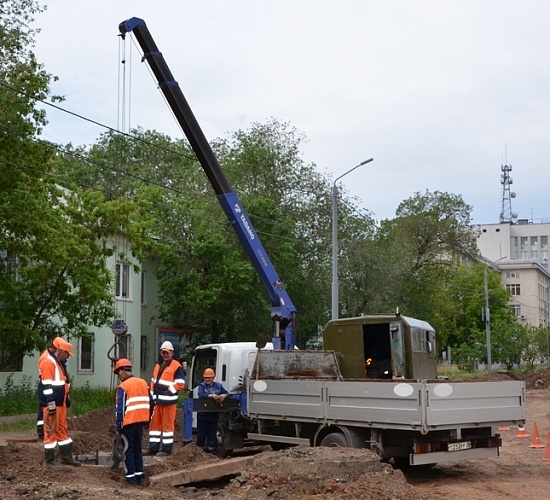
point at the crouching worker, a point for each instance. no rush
(207, 422)
(53, 392)
(133, 410)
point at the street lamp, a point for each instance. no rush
(487, 314)
(335, 238)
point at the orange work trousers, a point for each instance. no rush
(161, 428)
(56, 431)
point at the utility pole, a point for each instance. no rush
(487, 312)
(335, 238)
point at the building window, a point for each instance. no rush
(144, 352)
(514, 289)
(512, 274)
(9, 362)
(86, 353)
(122, 285)
(516, 310)
(534, 241)
(123, 347)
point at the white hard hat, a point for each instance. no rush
(166, 346)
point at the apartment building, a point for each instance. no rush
(520, 251)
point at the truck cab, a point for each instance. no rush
(230, 361)
(383, 346)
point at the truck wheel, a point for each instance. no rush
(335, 439)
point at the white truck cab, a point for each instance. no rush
(229, 360)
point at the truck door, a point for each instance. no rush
(376, 339)
(397, 350)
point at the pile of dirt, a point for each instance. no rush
(538, 380)
(320, 473)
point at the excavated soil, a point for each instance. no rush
(520, 472)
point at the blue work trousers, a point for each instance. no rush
(133, 459)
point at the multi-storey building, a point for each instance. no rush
(520, 251)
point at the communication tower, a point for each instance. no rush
(506, 214)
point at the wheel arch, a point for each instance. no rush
(356, 438)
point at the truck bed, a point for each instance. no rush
(423, 406)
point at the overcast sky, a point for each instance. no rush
(440, 93)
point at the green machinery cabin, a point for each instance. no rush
(383, 346)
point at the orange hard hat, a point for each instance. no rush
(122, 363)
(209, 373)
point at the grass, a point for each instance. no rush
(453, 372)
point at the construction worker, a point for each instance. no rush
(53, 391)
(207, 422)
(167, 381)
(133, 410)
(40, 415)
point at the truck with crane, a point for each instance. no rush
(373, 386)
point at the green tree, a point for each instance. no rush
(414, 255)
(511, 342)
(53, 242)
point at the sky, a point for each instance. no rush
(441, 93)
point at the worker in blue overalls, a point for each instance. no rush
(207, 422)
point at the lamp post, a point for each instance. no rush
(335, 238)
(487, 314)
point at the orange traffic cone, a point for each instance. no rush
(521, 433)
(536, 443)
(546, 457)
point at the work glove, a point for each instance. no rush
(51, 408)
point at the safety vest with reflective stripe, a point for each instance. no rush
(165, 389)
(133, 402)
(54, 383)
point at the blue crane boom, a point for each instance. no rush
(283, 311)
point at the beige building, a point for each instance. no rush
(520, 252)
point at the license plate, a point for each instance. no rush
(463, 445)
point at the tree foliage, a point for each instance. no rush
(53, 242)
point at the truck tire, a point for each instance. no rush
(335, 439)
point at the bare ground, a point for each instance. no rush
(300, 473)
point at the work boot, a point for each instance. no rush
(66, 451)
(141, 479)
(40, 432)
(50, 462)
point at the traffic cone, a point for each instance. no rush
(536, 443)
(503, 428)
(546, 457)
(521, 433)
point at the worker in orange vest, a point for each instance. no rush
(167, 381)
(40, 416)
(53, 391)
(133, 410)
